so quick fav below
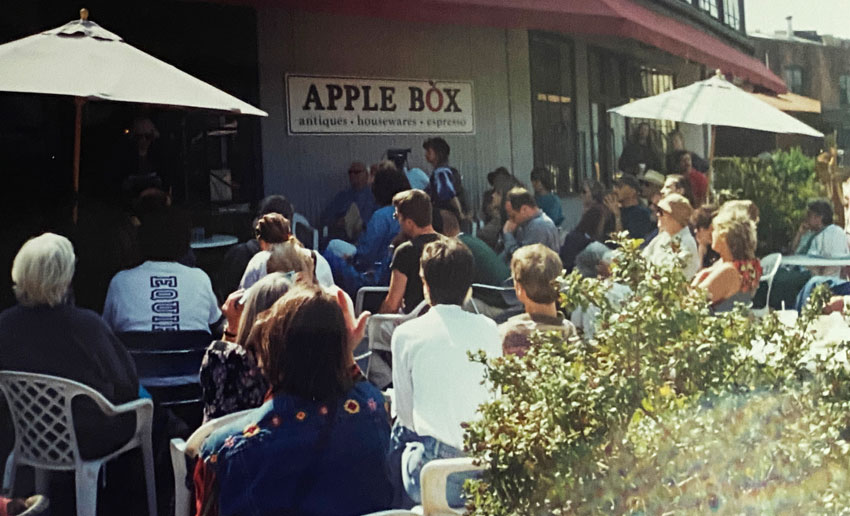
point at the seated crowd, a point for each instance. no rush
(316, 436)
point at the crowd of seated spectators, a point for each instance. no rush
(317, 437)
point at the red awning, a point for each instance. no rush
(617, 18)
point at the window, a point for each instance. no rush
(793, 76)
(709, 6)
(844, 90)
(730, 14)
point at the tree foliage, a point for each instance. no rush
(668, 409)
(780, 186)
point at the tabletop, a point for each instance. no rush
(214, 241)
(816, 261)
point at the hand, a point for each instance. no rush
(612, 203)
(232, 310)
(836, 304)
(355, 327)
(509, 227)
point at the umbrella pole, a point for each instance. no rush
(711, 163)
(78, 129)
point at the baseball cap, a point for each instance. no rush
(677, 206)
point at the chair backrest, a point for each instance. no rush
(40, 406)
(304, 232)
(166, 354)
(193, 444)
(379, 331)
(769, 265)
(369, 298)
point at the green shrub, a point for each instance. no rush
(668, 409)
(780, 186)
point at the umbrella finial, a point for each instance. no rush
(718, 72)
(84, 14)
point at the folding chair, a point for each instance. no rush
(304, 232)
(46, 439)
(168, 365)
(181, 450)
(369, 298)
(379, 331)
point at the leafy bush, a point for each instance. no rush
(780, 186)
(668, 409)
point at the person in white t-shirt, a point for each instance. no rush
(674, 213)
(436, 387)
(161, 294)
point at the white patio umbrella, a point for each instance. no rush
(83, 60)
(714, 102)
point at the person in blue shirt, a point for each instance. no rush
(367, 262)
(359, 194)
(446, 185)
(541, 181)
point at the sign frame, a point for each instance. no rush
(290, 132)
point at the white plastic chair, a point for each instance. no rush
(301, 220)
(181, 449)
(379, 331)
(769, 266)
(45, 438)
(433, 480)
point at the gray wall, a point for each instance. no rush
(311, 169)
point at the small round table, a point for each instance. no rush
(214, 241)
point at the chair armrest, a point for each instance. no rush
(182, 495)
(433, 480)
(361, 294)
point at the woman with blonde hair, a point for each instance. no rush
(275, 236)
(735, 276)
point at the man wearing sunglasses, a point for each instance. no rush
(357, 196)
(674, 212)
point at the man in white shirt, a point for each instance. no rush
(818, 236)
(161, 294)
(674, 212)
(436, 387)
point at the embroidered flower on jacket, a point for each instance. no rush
(323, 410)
(352, 407)
(251, 430)
(301, 415)
(373, 406)
(213, 458)
(276, 421)
(229, 442)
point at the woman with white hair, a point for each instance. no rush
(45, 333)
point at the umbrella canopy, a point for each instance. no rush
(81, 59)
(715, 101)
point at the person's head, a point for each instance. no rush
(149, 201)
(742, 207)
(819, 214)
(677, 143)
(43, 270)
(683, 161)
(412, 210)
(674, 213)
(651, 183)
(164, 235)
(358, 175)
(642, 134)
(541, 180)
(701, 223)
(387, 182)
(303, 347)
(520, 205)
(733, 237)
(143, 133)
(451, 225)
(498, 175)
(436, 151)
(275, 204)
(677, 183)
(627, 188)
(595, 260)
(291, 257)
(592, 222)
(272, 228)
(534, 269)
(447, 268)
(592, 192)
(259, 298)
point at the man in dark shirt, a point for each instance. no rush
(629, 214)
(413, 212)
